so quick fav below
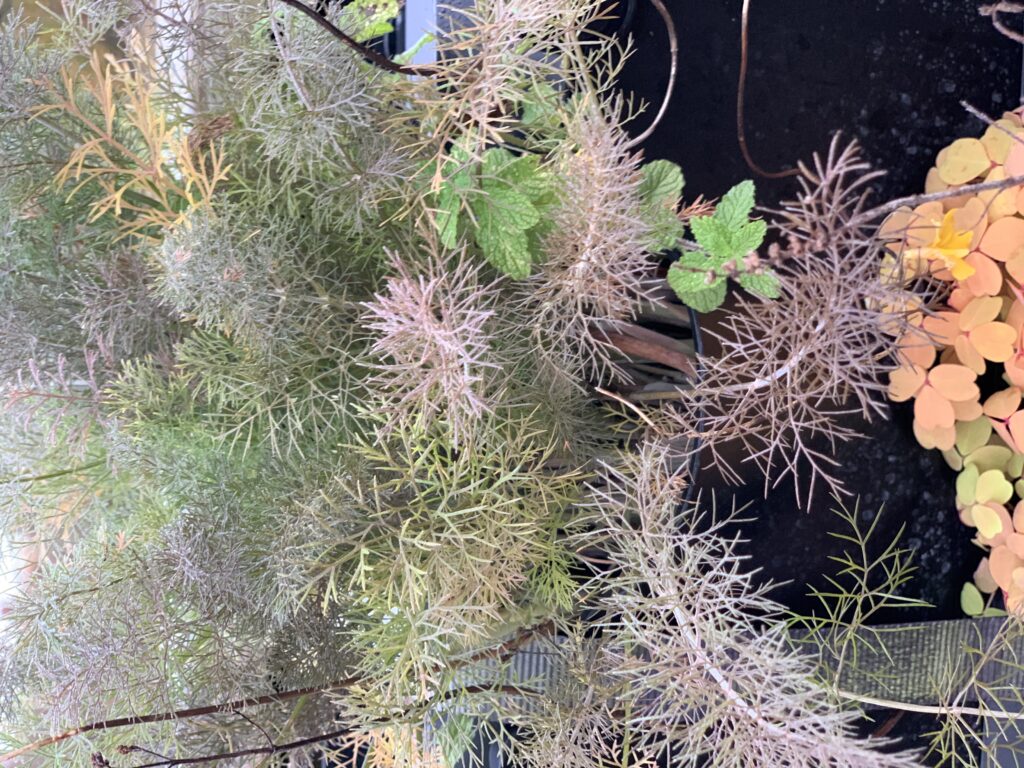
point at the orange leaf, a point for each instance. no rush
(1015, 160)
(972, 217)
(968, 355)
(1002, 404)
(1002, 563)
(1015, 429)
(994, 341)
(905, 382)
(915, 349)
(933, 410)
(1004, 239)
(983, 577)
(987, 278)
(1014, 368)
(984, 309)
(1015, 267)
(967, 410)
(1015, 541)
(998, 139)
(943, 438)
(942, 327)
(1018, 516)
(999, 203)
(954, 382)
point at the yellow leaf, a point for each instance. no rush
(986, 520)
(962, 161)
(993, 486)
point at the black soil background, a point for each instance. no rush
(890, 73)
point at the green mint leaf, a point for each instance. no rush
(735, 206)
(507, 208)
(541, 106)
(690, 273)
(450, 198)
(689, 279)
(713, 237)
(495, 160)
(526, 176)
(446, 218)
(706, 300)
(765, 285)
(747, 238)
(662, 183)
(666, 230)
(507, 249)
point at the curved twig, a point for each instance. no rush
(673, 47)
(372, 56)
(741, 132)
(995, 9)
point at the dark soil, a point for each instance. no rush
(890, 73)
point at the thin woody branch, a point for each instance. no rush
(501, 653)
(291, 746)
(372, 56)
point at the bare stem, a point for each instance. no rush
(501, 652)
(912, 201)
(741, 88)
(673, 47)
(372, 56)
(931, 709)
(995, 9)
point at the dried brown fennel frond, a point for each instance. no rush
(793, 375)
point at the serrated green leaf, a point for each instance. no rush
(525, 175)
(494, 160)
(709, 299)
(971, 601)
(689, 274)
(507, 209)
(693, 289)
(540, 106)
(765, 285)
(662, 183)
(748, 238)
(723, 243)
(446, 218)
(713, 238)
(508, 249)
(450, 197)
(666, 230)
(735, 206)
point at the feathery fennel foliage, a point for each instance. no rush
(300, 355)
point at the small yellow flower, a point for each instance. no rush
(951, 247)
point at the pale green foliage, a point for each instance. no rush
(660, 191)
(509, 201)
(726, 239)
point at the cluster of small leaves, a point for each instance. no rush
(509, 199)
(728, 242)
(962, 365)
